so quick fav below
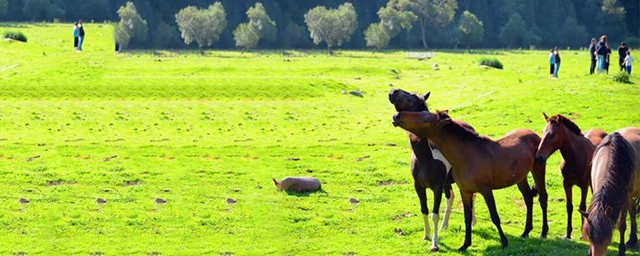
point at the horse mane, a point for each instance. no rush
(607, 202)
(455, 128)
(568, 123)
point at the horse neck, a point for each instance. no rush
(573, 145)
(420, 147)
(449, 144)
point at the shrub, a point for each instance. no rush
(491, 63)
(15, 35)
(622, 78)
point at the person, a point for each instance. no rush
(551, 63)
(607, 58)
(75, 36)
(601, 51)
(622, 54)
(80, 35)
(628, 61)
(556, 62)
(592, 55)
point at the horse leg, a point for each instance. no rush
(473, 211)
(447, 211)
(569, 204)
(524, 188)
(633, 237)
(622, 227)
(422, 195)
(467, 202)
(583, 203)
(538, 177)
(435, 218)
(491, 205)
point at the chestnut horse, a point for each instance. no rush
(577, 151)
(428, 167)
(481, 165)
(615, 179)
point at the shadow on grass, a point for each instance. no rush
(306, 194)
(517, 245)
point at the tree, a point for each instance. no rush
(513, 31)
(247, 35)
(470, 30)
(4, 6)
(203, 26)
(261, 23)
(332, 26)
(131, 25)
(431, 13)
(572, 33)
(376, 36)
(36, 9)
(392, 21)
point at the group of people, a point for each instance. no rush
(78, 36)
(554, 62)
(600, 53)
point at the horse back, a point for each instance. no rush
(632, 135)
(524, 140)
(595, 136)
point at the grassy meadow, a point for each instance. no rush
(195, 130)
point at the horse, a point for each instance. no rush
(615, 180)
(429, 167)
(481, 165)
(577, 150)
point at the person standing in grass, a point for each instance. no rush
(628, 61)
(607, 59)
(592, 55)
(556, 62)
(552, 61)
(601, 51)
(622, 54)
(75, 36)
(80, 36)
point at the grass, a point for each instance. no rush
(195, 130)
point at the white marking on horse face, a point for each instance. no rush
(438, 156)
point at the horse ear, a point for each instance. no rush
(545, 116)
(446, 111)
(426, 96)
(584, 214)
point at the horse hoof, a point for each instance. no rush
(524, 235)
(463, 248)
(435, 249)
(426, 238)
(631, 245)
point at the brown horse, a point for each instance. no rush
(615, 178)
(481, 165)
(577, 151)
(428, 167)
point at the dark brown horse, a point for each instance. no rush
(615, 178)
(577, 151)
(481, 165)
(428, 167)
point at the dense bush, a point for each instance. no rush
(491, 63)
(15, 35)
(622, 78)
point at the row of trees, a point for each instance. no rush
(372, 23)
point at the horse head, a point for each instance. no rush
(406, 101)
(552, 138)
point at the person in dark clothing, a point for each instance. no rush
(80, 35)
(601, 51)
(622, 53)
(552, 60)
(592, 55)
(607, 59)
(556, 62)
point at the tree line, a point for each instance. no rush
(374, 24)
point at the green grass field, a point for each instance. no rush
(196, 130)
